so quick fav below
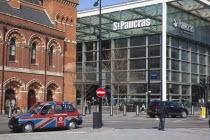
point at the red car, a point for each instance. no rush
(47, 115)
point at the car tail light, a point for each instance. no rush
(155, 107)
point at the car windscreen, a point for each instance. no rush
(35, 109)
(154, 103)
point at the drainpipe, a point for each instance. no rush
(3, 53)
(45, 71)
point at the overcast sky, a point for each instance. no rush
(88, 4)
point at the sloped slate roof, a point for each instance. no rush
(27, 13)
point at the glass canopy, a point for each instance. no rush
(87, 26)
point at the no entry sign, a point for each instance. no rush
(100, 92)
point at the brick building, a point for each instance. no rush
(37, 51)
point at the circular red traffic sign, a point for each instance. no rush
(100, 92)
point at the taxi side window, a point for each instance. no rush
(47, 109)
(59, 109)
(70, 108)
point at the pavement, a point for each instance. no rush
(87, 133)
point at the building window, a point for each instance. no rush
(175, 53)
(51, 56)
(138, 64)
(12, 49)
(33, 53)
(138, 52)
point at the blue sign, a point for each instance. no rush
(154, 75)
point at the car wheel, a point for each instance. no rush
(71, 125)
(152, 116)
(183, 114)
(28, 127)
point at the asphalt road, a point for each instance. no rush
(128, 122)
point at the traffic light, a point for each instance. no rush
(203, 82)
(145, 88)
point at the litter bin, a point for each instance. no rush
(203, 112)
(97, 120)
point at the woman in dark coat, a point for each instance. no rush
(162, 114)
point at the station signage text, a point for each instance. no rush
(184, 26)
(123, 25)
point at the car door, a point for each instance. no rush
(45, 118)
(174, 108)
(60, 114)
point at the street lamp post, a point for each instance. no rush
(98, 2)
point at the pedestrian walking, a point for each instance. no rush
(89, 107)
(162, 113)
(143, 107)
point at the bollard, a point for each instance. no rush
(137, 110)
(97, 108)
(124, 110)
(111, 110)
(192, 110)
(25, 109)
(97, 120)
(83, 110)
(10, 112)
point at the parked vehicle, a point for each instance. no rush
(173, 108)
(47, 115)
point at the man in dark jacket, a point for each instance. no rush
(162, 113)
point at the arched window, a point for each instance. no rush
(12, 48)
(33, 53)
(51, 56)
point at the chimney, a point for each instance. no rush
(14, 3)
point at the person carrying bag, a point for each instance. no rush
(162, 114)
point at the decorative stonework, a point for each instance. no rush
(53, 85)
(14, 83)
(37, 38)
(21, 40)
(34, 84)
(54, 43)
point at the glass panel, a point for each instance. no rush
(202, 69)
(155, 88)
(91, 67)
(138, 52)
(193, 47)
(194, 57)
(174, 53)
(138, 41)
(138, 64)
(185, 77)
(194, 78)
(79, 47)
(174, 65)
(154, 51)
(136, 88)
(106, 44)
(91, 46)
(184, 44)
(154, 39)
(185, 55)
(155, 75)
(79, 57)
(155, 63)
(106, 54)
(185, 90)
(184, 66)
(174, 42)
(175, 89)
(120, 43)
(201, 49)
(119, 64)
(90, 76)
(194, 68)
(91, 56)
(202, 59)
(175, 76)
(137, 75)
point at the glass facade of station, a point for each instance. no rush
(132, 37)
